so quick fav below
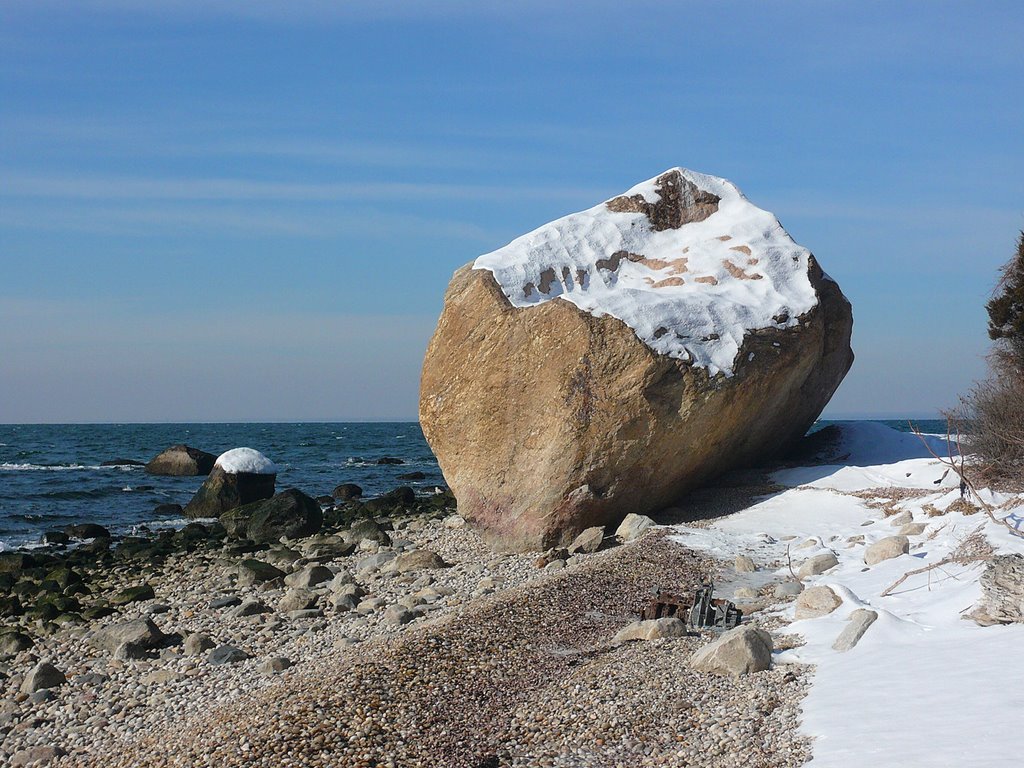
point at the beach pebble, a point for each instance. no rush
(42, 675)
(226, 654)
(816, 601)
(886, 549)
(744, 564)
(860, 620)
(651, 629)
(817, 565)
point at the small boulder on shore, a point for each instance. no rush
(182, 461)
(347, 492)
(240, 476)
(740, 651)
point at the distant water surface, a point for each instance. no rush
(50, 474)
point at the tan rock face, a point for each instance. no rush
(549, 420)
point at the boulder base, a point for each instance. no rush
(223, 491)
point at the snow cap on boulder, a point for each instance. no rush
(245, 460)
(684, 260)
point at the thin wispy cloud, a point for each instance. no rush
(213, 189)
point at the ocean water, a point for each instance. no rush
(50, 475)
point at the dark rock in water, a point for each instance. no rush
(16, 562)
(325, 501)
(122, 463)
(223, 491)
(413, 476)
(87, 531)
(290, 513)
(347, 491)
(133, 595)
(389, 460)
(401, 496)
(182, 461)
(55, 537)
(168, 510)
(226, 654)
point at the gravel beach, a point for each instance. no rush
(491, 661)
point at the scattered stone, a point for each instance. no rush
(588, 541)
(251, 571)
(901, 519)
(397, 614)
(367, 529)
(309, 576)
(816, 601)
(788, 589)
(1002, 592)
(373, 563)
(42, 675)
(347, 491)
(133, 595)
(14, 642)
(412, 476)
(417, 560)
(341, 580)
(275, 665)
(744, 564)
(197, 643)
(229, 601)
(740, 651)
(651, 629)
(555, 565)
(455, 522)
(745, 593)
(249, 607)
(817, 565)
(297, 600)
(886, 549)
(36, 756)
(140, 632)
(860, 620)
(913, 529)
(633, 526)
(226, 654)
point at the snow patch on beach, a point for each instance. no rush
(692, 293)
(924, 686)
(247, 461)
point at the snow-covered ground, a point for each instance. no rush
(924, 686)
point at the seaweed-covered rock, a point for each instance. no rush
(290, 513)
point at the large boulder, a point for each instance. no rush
(239, 476)
(182, 461)
(691, 336)
(290, 513)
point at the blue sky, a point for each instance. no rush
(250, 211)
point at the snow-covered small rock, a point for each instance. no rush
(246, 461)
